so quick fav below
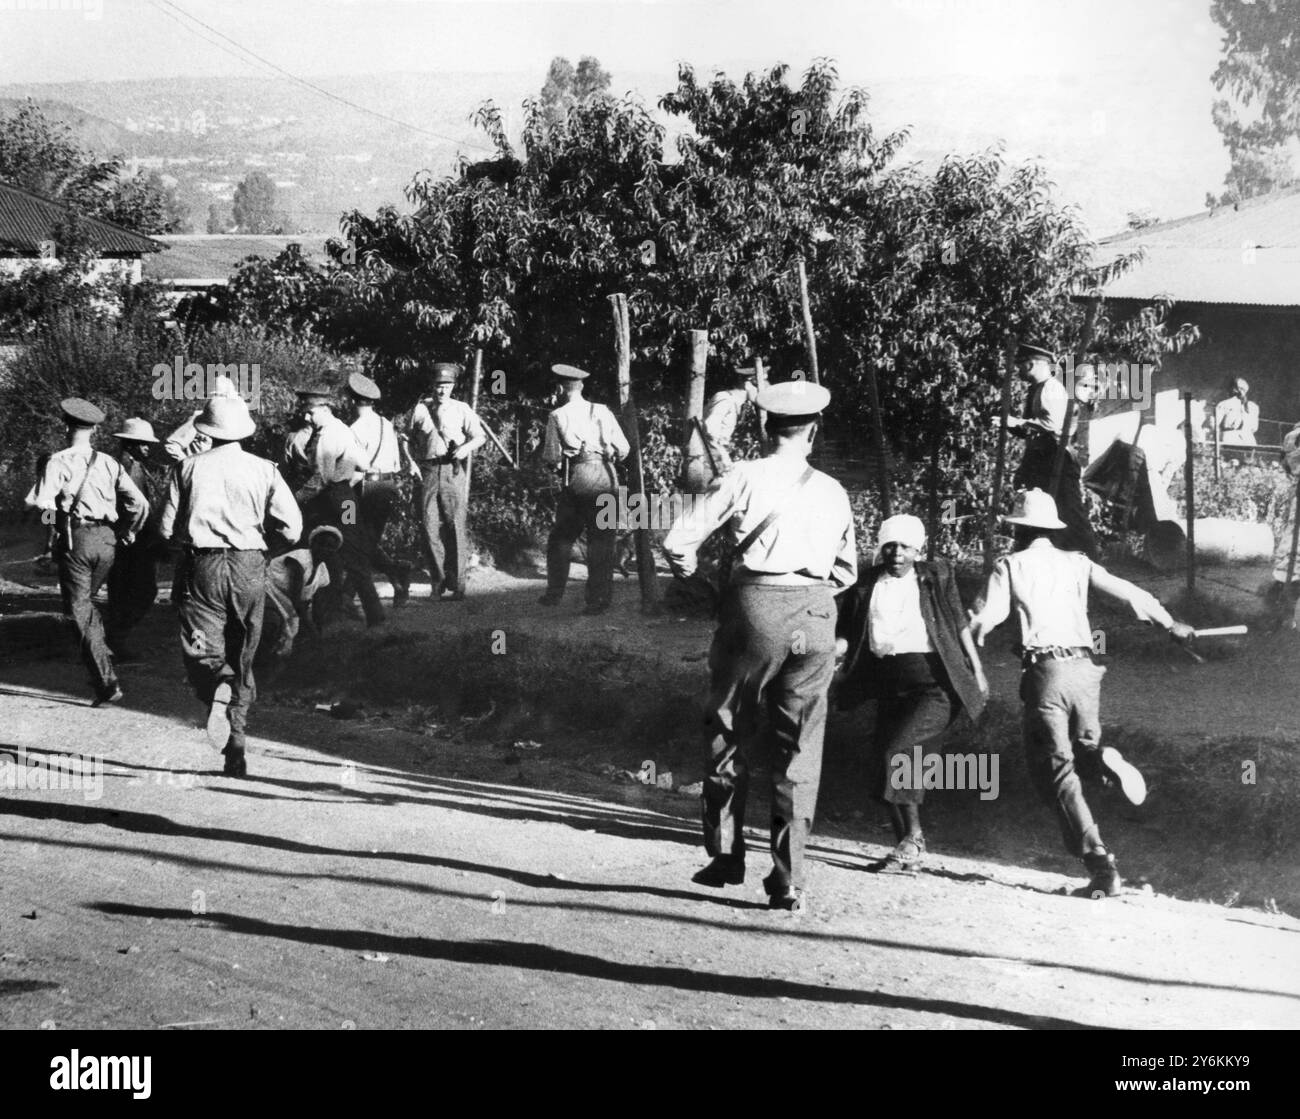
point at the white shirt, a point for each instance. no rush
(338, 458)
(896, 622)
(434, 428)
(377, 439)
(1049, 589)
(811, 540)
(583, 426)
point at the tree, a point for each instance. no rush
(566, 87)
(1260, 70)
(41, 156)
(220, 218)
(254, 204)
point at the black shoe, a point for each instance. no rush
(724, 870)
(106, 695)
(235, 765)
(1106, 882)
(550, 599)
(790, 901)
(401, 589)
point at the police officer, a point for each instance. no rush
(133, 581)
(443, 432)
(331, 497)
(775, 641)
(1041, 425)
(585, 440)
(382, 451)
(220, 505)
(717, 430)
(88, 493)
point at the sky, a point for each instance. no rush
(1113, 95)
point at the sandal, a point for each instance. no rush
(908, 855)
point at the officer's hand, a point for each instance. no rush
(976, 629)
(460, 454)
(1181, 632)
(841, 647)
(982, 682)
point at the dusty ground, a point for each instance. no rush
(372, 875)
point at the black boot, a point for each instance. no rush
(235, 764)
(1105, 882)
(724, 870)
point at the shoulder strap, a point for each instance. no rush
(72, 508)
(772, 516)
(382, 432)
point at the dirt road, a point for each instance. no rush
(366, 878)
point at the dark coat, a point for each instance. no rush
(945, 617)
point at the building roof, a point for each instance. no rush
(27, 220)
(1245, 254)
(203, 259)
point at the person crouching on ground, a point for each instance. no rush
(292, 581)
(1060, 683)
(910, 649)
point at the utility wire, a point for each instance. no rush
(163, 5)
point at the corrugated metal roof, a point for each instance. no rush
(211, 257)
(27, 220)
(1248, 254)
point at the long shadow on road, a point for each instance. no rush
(541, 957)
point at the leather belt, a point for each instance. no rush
(218, 551)
(759, 579)
(1057, 653)
(90, 522)
(383, 477)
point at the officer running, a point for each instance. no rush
(86, 491)
(219, 507)
(585, 440)
(775, 641)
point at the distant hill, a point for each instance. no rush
(1107, 153)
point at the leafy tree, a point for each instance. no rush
(220, 218)
(1260, 71)
(254, 204)
(566, 87)
(41, 156)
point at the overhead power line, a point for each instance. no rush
(246, 55)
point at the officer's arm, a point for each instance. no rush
(282, 511)
(997, 603)
(707, 513)
(45, 494)
(177, 445)
(613, 435)
(477, 435)
(844, 571)
(167, 522)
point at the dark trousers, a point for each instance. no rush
(915, 710)
(82, 571)
(1062, 732)
(132, 589)
(575, 514)
(378, 499)
(774, 646)
(356, 556)
(221, 625)
(1035, 472)
(446, 533)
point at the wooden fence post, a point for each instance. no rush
(878, 437)
(760, 379)
(645, 556)
(1189, 491)
(1000, 461)
(810, 339)
(693, 448)
(476, 381)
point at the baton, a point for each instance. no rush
(1221, 631)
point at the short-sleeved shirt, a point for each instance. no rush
(338, 457)
(811, 540)
(435, 431)
(583, 427)
(106, 483)
(377, 439)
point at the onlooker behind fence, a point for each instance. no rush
(1237, 417)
